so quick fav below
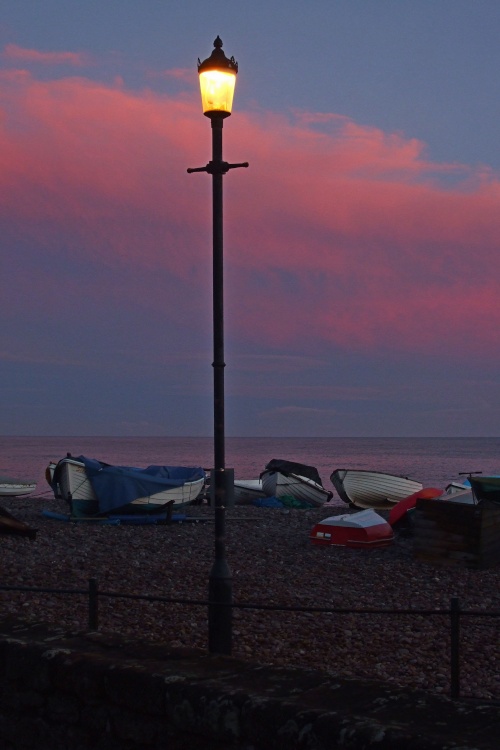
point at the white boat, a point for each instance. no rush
(364, 529)
(458, 492)
(283, 478)
(465, 496)
(94, 488)
(15, 487)
(247, 490)
(372, 489)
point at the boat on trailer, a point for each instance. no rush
(282, 478)
(363, 529)
(93, 488)
(378, 490)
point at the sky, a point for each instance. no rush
(361, 246)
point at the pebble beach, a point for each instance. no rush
(272, 562)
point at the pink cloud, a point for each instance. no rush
(183, 75)
(337, 234)
(20, 54)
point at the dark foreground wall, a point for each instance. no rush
(76, 692)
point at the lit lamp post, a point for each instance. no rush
(217, 80)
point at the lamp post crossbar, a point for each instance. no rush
(213, 168)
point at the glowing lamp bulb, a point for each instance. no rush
(217, 91)
(217, 81)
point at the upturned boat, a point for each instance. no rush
(402, 511)
(362, 488)
(282, 478)
(364, 529)
(93, 488)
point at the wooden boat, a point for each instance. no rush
(283, 478)
(247, 490)
(364, 529)
(11, 525)
(15, 487)
(94, 488)
(362, 488)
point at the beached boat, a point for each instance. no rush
(486, 488)
(282, 478)
(458, 491)
(364, 529)
(400, 512)
(362, 488)
(15, 487)
(11, 525)
(94, 488)
(247, 490)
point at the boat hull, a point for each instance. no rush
(277, 484)
(372, 489)
(486, 488)
(15, 487)
(74, 486)
(247, 490)
(11, 525)
(362, 530)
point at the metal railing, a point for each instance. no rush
(455, 613)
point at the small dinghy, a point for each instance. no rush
(362, 530)
(247, 490)
(399, 512)
(459, 491)
(15, 487)
(362, 488)
(486, 488)
(283, 478)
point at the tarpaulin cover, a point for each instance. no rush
(291, 467)
(116, 486)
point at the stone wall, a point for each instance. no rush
(62, 691)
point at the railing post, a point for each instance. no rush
(93, 605)
(455, 648)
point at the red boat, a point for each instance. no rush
(400, 510)
(364, 529)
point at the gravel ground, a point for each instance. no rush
(272, 561)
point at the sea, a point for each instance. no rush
(432, 461)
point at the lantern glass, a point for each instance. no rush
(217, 91)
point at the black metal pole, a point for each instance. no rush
(220, 582)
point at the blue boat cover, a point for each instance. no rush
(117, 486)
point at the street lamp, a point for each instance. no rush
(217, 80)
